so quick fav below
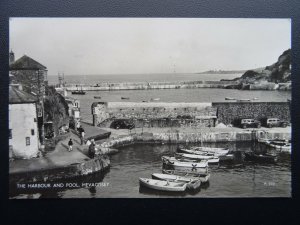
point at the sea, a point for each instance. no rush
(238, 178)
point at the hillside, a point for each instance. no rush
(279, 72)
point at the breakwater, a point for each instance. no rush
(196, 137)
(151, 85)
(98, 164)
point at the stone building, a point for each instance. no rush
(154, 114)
(23, 127)
(33, 77)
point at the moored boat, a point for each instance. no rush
(124, 98)
(195, 156)
(205, 151)
(185, 159)
(229, 98)
(204, 177)
(78, 92)
(162, 185)
(97, 97)
(201, 167)
(192, 182)
(282, 147)
(267, 158)
(243, 100)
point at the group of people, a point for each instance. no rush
(92, 146)
(81, 135)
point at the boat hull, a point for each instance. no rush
(205, 152)
(204, 177)
(250, 156)
(192, 182)
(163, 185)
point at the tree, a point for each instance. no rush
(56, 109)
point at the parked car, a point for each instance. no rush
(245, 123)
(274, 122)
(122, 124)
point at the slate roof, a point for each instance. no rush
(18, 96)
(26, 63)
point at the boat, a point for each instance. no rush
(124, 98)
(227, 157)
(280, 146)
(194, 160)
(219, 151)
(256, 98)
(194, 156)
(267, 158)
(163, 185)
(229, 98)
(97, 97)
(203, 177)
(155, 99)
(243, 100)
(274, 141)
(192, 182)
(205, 151)
(78, 92)
(201, 166)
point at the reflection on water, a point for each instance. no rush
(237, 178)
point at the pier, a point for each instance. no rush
(151, 85)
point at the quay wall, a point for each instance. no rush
(196, 137)
(232, 112)
(154, 114)
(163, 114)
(98, 164)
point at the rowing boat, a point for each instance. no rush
(192, 182)
(201, 166)
(282, 147)
(195, 156)
(205, 151)
(267, 158)
(162, 185)
(203, 177)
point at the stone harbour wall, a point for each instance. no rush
(208, 137)
(97, 164)
(232, 112)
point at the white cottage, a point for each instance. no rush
(23, 128)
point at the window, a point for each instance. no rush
(27, 141)
(10, 133)
(40, 113)
(32, 132)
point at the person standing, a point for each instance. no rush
(92, 149)
(70, 144)
(81, 134)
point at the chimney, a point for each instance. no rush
(11, 57)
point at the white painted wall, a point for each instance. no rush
(21, 121)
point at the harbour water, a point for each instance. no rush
(238, 178)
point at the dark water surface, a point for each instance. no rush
(231, 179)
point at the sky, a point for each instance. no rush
(83, 46)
